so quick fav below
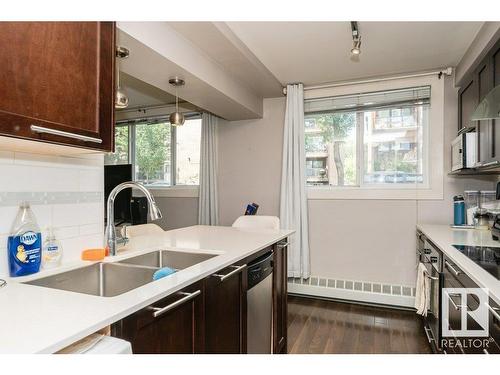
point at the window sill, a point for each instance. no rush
(172, 192)
(373, 193)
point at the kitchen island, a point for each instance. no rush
(36, 319)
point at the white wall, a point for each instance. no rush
(366, 240)
(249, 156)
(65, 192)
(178, 212)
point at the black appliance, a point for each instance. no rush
(113, 176)
(432, 258)
(139, 210)
(486, 257)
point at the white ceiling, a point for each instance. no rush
(218, 42)
(319, 52)
(141, 94)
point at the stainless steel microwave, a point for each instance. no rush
(463, 151)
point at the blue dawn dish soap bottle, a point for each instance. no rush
(52, 250)
(24, 245)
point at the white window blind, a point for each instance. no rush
(370, 101)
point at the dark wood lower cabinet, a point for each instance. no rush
(280, 311)
(456, 278)
(225, 311)
(177, 328)
(209, 316)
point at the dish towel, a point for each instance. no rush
(422, 294)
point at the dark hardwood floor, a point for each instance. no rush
(318, 326)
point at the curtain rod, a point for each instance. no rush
(187, 115)
(447, 71)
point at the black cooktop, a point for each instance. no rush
(486, 257)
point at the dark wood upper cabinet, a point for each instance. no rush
(484, 77)
(483, 128)
(467, 99)
(225, 311)
(495, 67)
(59, 77)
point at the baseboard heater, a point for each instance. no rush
(355, 291)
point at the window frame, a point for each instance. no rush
(174, 190)
(433, 136)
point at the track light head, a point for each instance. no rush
(356, 46)
(356, 39)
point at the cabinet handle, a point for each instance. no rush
(451, 268)
(494, 311)
(283, 245)
(236, 270)
(429, 338)
(451, 295)
(157, 311)
(41, 129)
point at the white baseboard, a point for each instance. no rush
(351, 295)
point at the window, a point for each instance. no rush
(121, 154)
(153, 155)
(373, 139)
(188, 153)
(148, 145)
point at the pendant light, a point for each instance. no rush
(121, 99)
(176, 118)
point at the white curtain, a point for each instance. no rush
(293, 202)
(208, 208)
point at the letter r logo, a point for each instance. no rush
(456, 312)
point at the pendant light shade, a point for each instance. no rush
(176, 118)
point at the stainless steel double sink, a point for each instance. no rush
(112, 279)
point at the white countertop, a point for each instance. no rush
(36, 319)
(444, 237)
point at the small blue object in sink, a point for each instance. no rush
(162, 272)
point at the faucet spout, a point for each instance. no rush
(110, 237)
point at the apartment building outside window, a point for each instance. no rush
(373, 139)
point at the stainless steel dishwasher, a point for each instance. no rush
(260, 305)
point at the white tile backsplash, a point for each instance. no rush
(91, 179)
(68, 195)
(6, 157)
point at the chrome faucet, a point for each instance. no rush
(110, 239)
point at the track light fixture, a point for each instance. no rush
(356, 39)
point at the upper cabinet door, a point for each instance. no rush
(467, 102)
(484, 129)
(57, 82)
(495, 64)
